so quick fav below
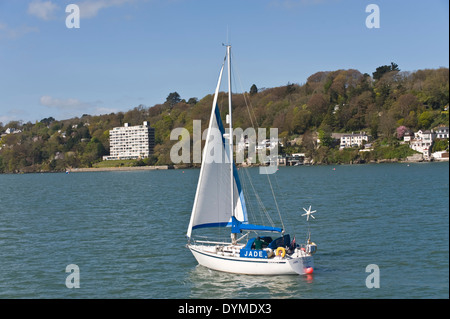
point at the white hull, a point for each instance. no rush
(230, 261)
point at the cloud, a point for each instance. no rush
(5, 119)
(63, 104)
(15, 114)
(44, 10)
(90, 8)
(7, 32)
(74, 107)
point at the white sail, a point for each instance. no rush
(212, 204)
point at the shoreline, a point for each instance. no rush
(123, 168)
(169, 167)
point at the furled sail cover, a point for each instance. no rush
(212, 205)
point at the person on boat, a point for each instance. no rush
(258, 243)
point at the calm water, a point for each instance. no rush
(126, 232)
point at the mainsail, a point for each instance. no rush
(218, 203)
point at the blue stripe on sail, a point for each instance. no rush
(220, 124)
(241, 193)
(237, 226)
(224, 224)
(235, 173)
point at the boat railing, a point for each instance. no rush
(211, 242)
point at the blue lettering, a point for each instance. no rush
(253, 253)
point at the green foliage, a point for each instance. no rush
(2, 166)
(325, 138)
(439, 145)
(392, 152)
(425, 119)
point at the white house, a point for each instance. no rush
(12, 130)
(266, 144)
(440, 156)
(442, 132)
(408, 136)
(423, 142)
(354, 140)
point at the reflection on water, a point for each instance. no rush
(207, 283)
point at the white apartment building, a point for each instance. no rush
(131, 142)
(354, 140)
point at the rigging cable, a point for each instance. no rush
(250, 107)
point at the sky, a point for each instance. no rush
(127, 53)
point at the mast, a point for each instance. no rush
(230, 122)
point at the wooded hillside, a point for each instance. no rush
(332, 101)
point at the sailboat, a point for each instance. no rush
(220, 202)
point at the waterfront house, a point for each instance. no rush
(423, 142)
(354, 140)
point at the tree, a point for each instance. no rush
(318, 107)
(48, 120)
(381, 70)
(401, 130)
(425, 119)
(192, 101)
(387, 125)
(308, 142)
(325, 138)
(92, 152)
(438, 145)
(301, 121)
(404, 105)
(290, 88)
(172, 99)
(253, 90)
